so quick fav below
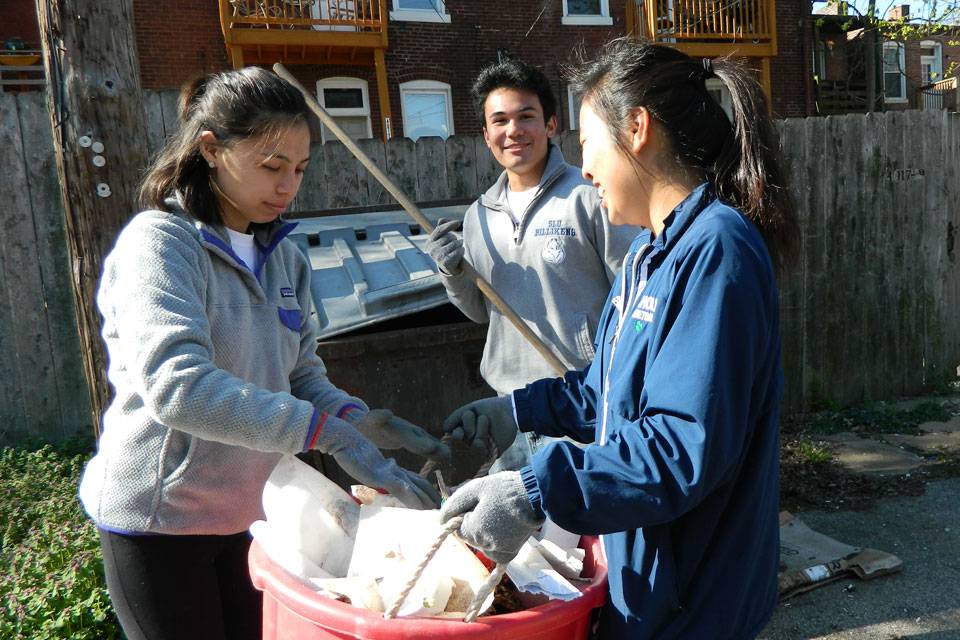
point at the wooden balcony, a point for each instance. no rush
(707, 27)
(21, 71)
(940, 95)
(347, 32)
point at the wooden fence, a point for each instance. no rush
(870, 312)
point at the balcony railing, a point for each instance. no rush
(707, 21)
(349, 32)
(939, 95)
(21, 71)
(321, 15)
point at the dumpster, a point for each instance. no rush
(387, 331)
(292, 611)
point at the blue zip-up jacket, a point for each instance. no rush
(681, 403)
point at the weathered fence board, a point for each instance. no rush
(875, 293)
(376, 193)
(870, 311)
(59, 308)
(36, 398)
(570, 145)
(487, 168)
(341, 176)
(153, 117)
(313, 191)
(402, 165)
(431, 169)
(461, 168)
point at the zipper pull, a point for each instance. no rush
(516, 233)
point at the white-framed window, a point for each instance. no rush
(719, 92)
(894, 81)
(586, 12)
(348, 101)
(419, 11)
(931, 62)
(573, 106)
(427, 109)
(820, 60)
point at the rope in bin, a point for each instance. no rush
(488, 586)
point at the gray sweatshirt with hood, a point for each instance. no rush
(554, 268)
(215, 371)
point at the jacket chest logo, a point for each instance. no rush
(644, 311)
(286, 292)
(554, 228)
(553, 251)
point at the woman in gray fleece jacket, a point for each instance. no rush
(211, 335)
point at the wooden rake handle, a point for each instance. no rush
(559, 368)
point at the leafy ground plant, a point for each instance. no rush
(51, 570)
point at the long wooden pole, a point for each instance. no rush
(422, 220)
(96, 110)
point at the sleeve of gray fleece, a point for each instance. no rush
(153, 292)
(309, 379)
(461, 290)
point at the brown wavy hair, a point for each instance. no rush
(234, 105)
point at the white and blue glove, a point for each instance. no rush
(483, 421)
(360, 458)
(445, 247)
(497, 515)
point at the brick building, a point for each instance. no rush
(910, 73)
(434, 49)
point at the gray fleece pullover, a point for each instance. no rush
(554, 268)
(215, 371)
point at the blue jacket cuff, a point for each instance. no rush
(521, 410)
(532, 487)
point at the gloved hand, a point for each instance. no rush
(484, 420)
(361, 459)
(444, 247)
(497, 516)
(388, 431)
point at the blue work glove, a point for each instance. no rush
(497, 515)
(389, 432)
(482, 421)
(445, 247)
(361, 459)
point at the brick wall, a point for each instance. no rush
(845, 62)
(176, 40)
(454, 53)
(791, 70)
(18, 19)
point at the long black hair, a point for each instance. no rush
(739, 155)
(234, 105)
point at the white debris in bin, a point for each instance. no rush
(365, 555)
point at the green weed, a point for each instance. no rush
(813, 453)
(51, 570)
(878, 418)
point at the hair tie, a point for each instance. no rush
(707, 68)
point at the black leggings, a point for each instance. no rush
(182, 587)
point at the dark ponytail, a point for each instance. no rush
(739, 155)
(234, 105)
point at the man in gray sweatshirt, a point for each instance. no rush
(538, 235)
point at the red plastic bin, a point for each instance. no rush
(291, 611)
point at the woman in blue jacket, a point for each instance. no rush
(681, 401)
